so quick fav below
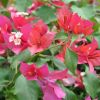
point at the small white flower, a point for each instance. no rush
(11, 38)
(15, 37)
(83, 73)
(18, 35)
(17, 41)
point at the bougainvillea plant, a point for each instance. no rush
(49, 49)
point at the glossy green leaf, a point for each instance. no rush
(71, 60)
(46, 13)
(97, 37)
(2, 59)
(60, 65)
(70, 95)
(22, 5)
(4, 2)
(92, 85)
(68, 1)
(85, 12)
(26, 90)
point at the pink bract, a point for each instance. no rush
(73, 23)
(40, 37)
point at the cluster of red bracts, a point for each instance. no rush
(47, 80)
(88, 53)
(20, 33)
(25, 35)
(73, 23)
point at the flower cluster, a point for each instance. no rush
(26, 35)
(46, 80)
(73, 23)
(24, 31)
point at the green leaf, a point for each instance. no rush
(68, 1)
(41, 61)
(26, 90)
(46, 13)
(2, 59)
(70, 95)
(60, 65)
(85, 12)
(6, 13)
(23, 56)
(98, 40)
(4, 2)
(74, 37)
(71, 60)
(92, 85)
(22, 5)
(54, 49)
(61, 35)
(3, 73)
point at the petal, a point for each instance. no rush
(59, 92)
(58, 75)
(47, 39)
(34, 49)
(58, 3)
(40, 27)
(43, 71)
(88, 98)
(26, 29)
(49, 92)
(24, 68)
(4, 21)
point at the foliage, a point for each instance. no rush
(49, 49)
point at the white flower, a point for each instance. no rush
(15, 37)
(17, 41)
(18, 35)
(11, 38)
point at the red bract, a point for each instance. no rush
(87, 53)
(5, 25)
(35, 5)
(40, 37)
(52, 92)
(41, 73)
(87, 27)
(31, 72)
(2, 44)
(73, 23)
(64, 17)
(17, 41)
(88, 98)
(58, 2)
(47, 80)
(20, 20)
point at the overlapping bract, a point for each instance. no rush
(73, 23)
(46, 80)
(26, 35)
